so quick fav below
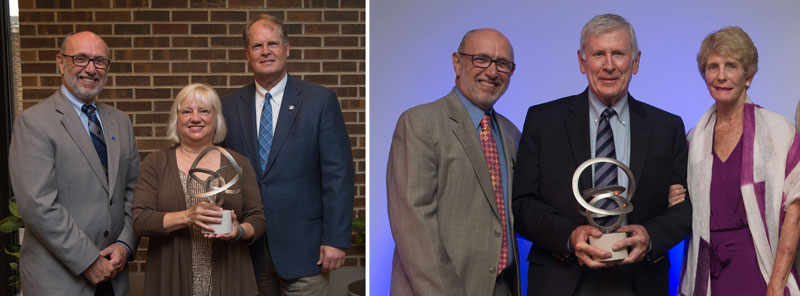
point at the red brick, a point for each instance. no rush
(170, 29)
(151, 16)
(322, 79)
(341, 16)
(240, 80)
(303, 67)
(92, 3)
(153, 93)
(170, 54)
(133, 80)
(236, 29)
(162, 106)
(294, 29)
(25, 42)
(28, 81)
(134, 106)
(353, 79)
(36, 16)
(295, 54)
(225, 41)
(151, 41)
(27, 30)
(354, 29)
(116, 93)
(130, 3)
(284, 3)
(320, 54)
(353, 4)
(206, 29)
(143, 131)
(145, 68)
(194, 67)
(50, 81)
(228, 16)
(305, 41)
(214, 80)
(245, 3)
(234, 67)
(95, 28)
(348, 104)
(303, 16)
(53, 4)
(26, 4)
(205, 54)
(124, 29)
(189, 16)
(121, 67)
(74, 16)
(113, 16)
(338, 66)
(117, 42)
(206, 3)
(170, 81)
(200, 42)
(236, 54)
(341, 41)
(47, 55)
(152, 144)
(321, 29)
(131, 54)
(169, 3)
(353, 54)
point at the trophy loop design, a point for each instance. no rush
(210, 190)
(589, 199)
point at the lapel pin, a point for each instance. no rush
(113, 138)
(291, 107)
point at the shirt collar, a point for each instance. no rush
(76, 103)
(475, 112)
(598, 107)
(276, 91)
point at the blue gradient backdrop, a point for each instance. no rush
(410, 43)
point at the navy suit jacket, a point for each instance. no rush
(307, 187)
(555, 140)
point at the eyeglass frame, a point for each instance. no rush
(92, 60)
(491, 61)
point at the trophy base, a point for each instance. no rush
(606, 241)
(222, 228)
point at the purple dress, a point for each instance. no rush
(734, 267)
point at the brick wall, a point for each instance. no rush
(159, 46)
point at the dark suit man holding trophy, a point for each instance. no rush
(603, 121)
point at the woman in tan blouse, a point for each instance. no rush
(180, 259)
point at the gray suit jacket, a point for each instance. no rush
(442, 209)
(71, 210)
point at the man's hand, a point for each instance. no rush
(638, 240)
(330, 258)
(100, 270)
(586, 252)
(118, 254)
(677, 194)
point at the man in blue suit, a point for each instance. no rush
(295, 136)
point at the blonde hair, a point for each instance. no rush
(731, 42)
(204, 96)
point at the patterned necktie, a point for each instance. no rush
(489, 148)
(96, 133)
(605, 174)
(265, 133)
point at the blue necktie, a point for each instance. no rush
(265, 133)
(96, 133)
(605, 174)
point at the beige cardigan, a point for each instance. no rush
(168, 270)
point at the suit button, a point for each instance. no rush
(493, 270)
(105, 233)
(111, 202)
(497, 233)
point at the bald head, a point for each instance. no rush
(79, 65)
(478, 77)
(490, 33)
(82, 37)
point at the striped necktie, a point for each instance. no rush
(96, 133)
(489, 148)
(265, 132)
(605, 173)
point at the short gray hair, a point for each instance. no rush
(604, 23)
(205, 96)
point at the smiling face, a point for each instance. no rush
(483, 86)
(726, 79)
(609, 63)
(196, 123)
(85, 82)
(267, 53)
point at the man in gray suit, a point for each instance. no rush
(449, 179)
(73, 164)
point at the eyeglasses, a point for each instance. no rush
(83, 61)
(483, 61)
